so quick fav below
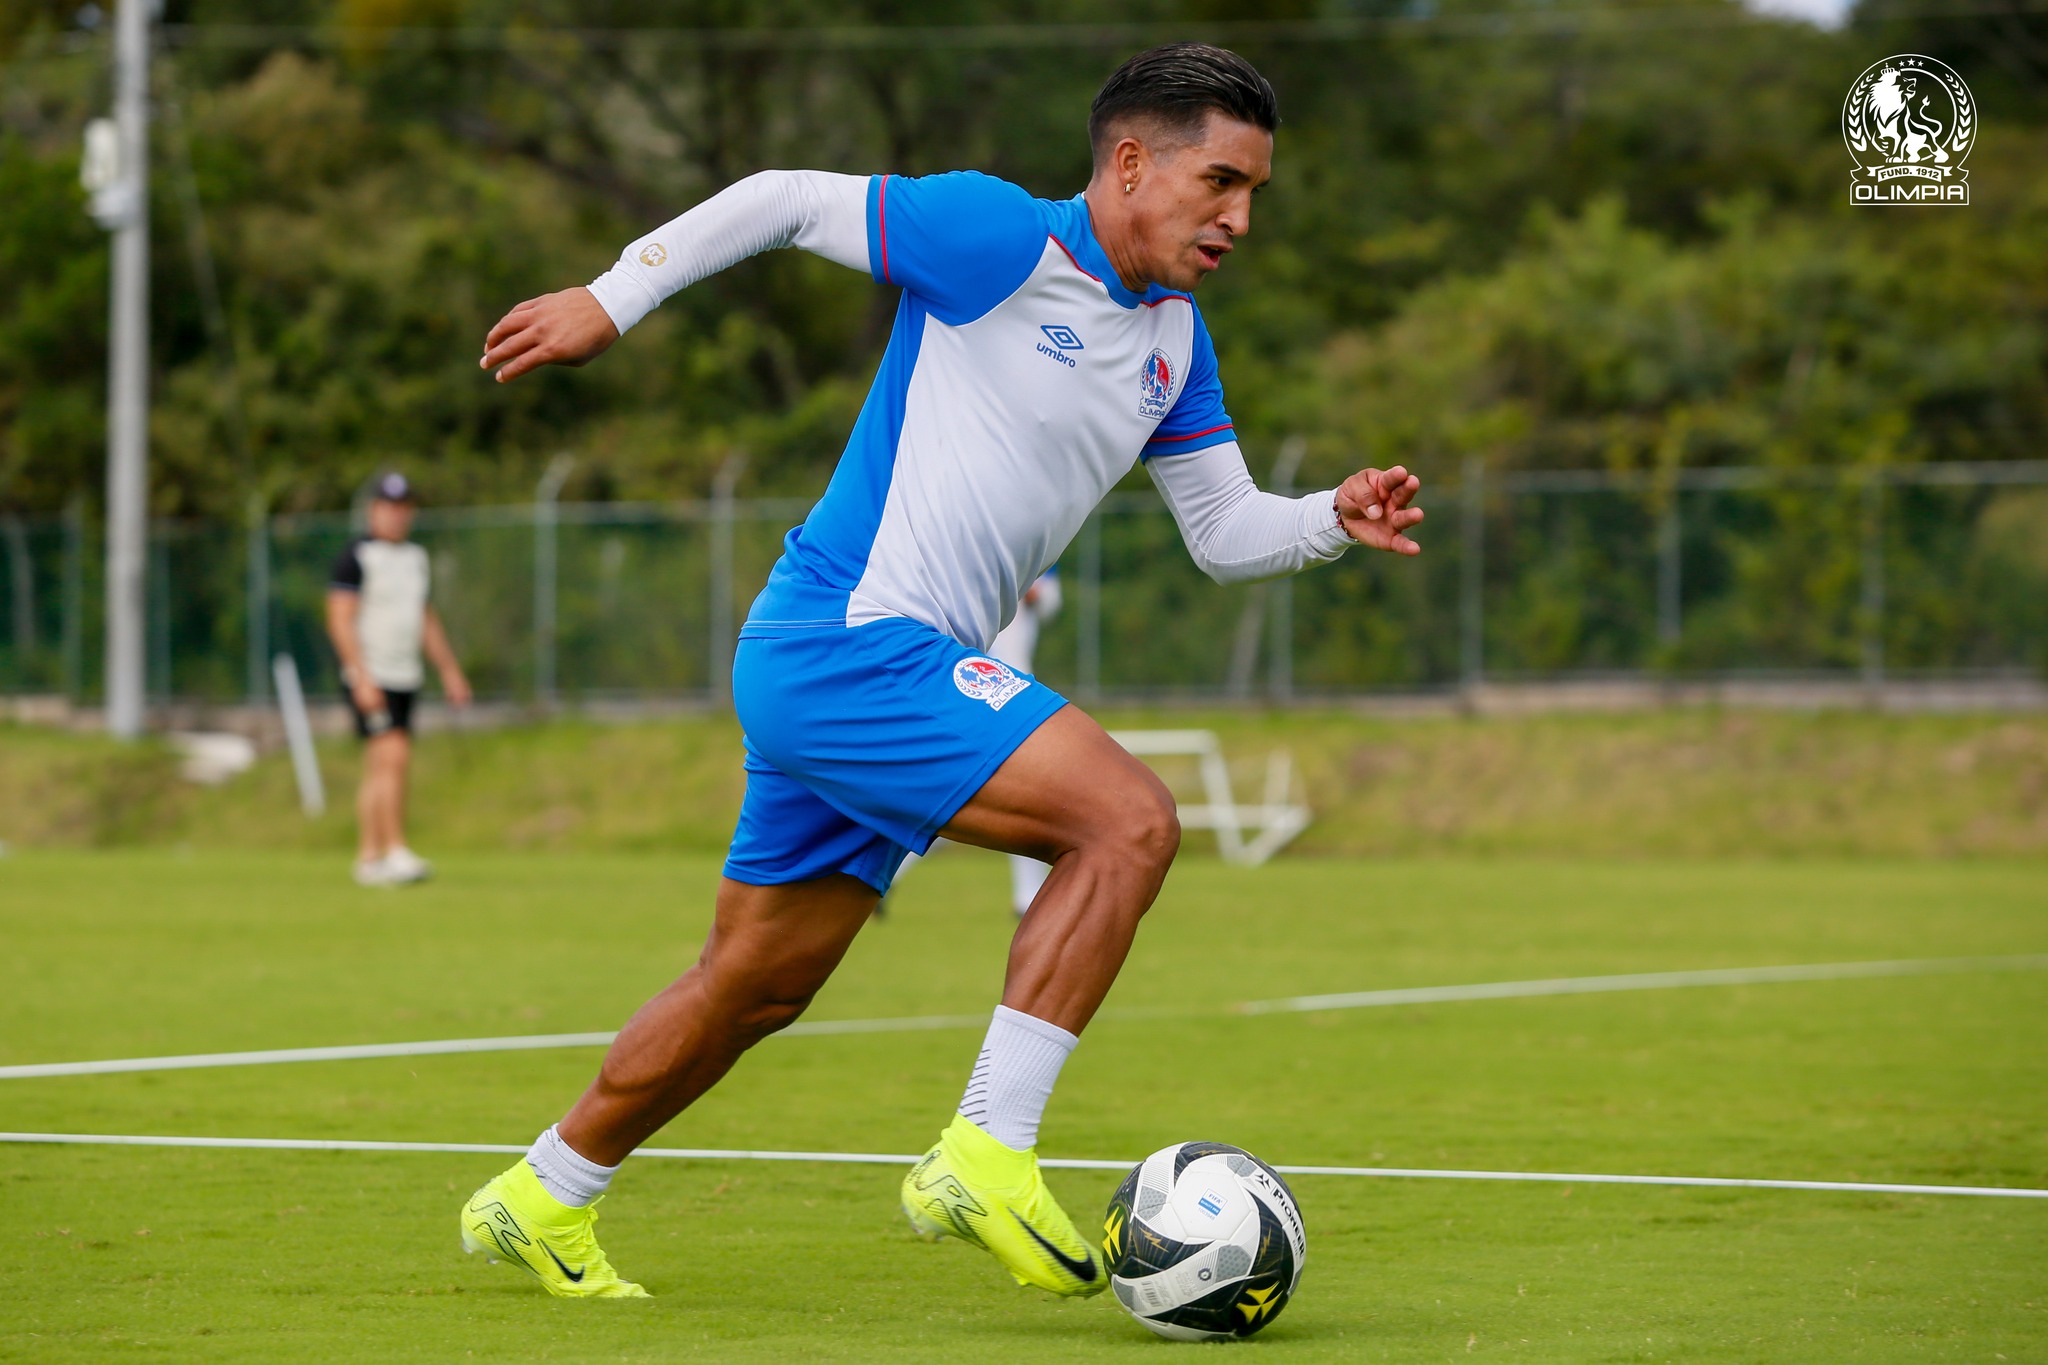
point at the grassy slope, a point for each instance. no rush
(254, 1256)
(1686, 783)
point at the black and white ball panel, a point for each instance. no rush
(1204, 1241)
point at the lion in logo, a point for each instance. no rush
(1906, 133)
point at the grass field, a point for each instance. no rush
(1689, 782)
(117, 1253)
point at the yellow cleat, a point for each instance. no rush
(515, 1219)
(972, 1187)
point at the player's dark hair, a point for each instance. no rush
(1175, 86)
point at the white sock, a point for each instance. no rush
(574, 1179)
(1013, 1078)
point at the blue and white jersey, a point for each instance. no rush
(1021, 382)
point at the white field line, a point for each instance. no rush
(1058, 1163)
(1411, 995)
(521, 1043)
(1651, 981)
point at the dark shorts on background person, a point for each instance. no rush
(397, 713)
(863, 742)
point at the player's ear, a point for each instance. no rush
(1129, 160)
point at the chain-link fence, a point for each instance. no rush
(1936, 570)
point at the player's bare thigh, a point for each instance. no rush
(1067, 786)
(775, 945)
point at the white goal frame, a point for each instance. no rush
(1276, 821)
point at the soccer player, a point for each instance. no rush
(380, 620)
(1040, 348)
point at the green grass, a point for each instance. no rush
(233, 1255)
(1679, 783)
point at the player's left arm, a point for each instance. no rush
(434, 641)
(1237, 533)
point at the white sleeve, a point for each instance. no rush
(816, 210)
(1236, 533)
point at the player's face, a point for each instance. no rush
(1197, 201)
(390, 520)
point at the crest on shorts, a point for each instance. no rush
(984, 679)
(1909, 121)
(1155, 385)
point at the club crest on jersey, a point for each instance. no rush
(1155, 385)
(985, 679)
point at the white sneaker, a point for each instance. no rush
(374, 872)
(404, 865)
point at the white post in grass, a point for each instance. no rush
(298, 734)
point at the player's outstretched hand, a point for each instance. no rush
(569, 328)
(1373, 505)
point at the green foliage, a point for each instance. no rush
(1555, 236)
(53, 285)
(1775, 341)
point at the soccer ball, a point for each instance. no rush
(1204, 1242)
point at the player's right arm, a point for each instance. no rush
(344, 605)
(817, 210)
(962, 242)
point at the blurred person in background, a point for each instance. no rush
(381, 622)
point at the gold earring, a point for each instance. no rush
(1130, 185)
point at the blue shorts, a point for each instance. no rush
(863, 741)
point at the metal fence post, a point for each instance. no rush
(158, 619)
(21, 584)
(1088, 617)
(545, 518)
(74, 598)
(1669, 568)
(1472, 576)
(724, 512)
(1872, 612)
(1280, 678)
(258, 629)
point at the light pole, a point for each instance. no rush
(116, 170)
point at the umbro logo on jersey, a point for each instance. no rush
(1063, 340)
